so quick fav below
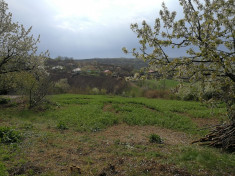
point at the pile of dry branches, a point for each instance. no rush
(222, 136)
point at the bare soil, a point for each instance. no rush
(205, 122)
(101, 153)
(140, 134)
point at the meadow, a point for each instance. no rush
(110, 135)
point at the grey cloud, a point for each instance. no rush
(99, 40)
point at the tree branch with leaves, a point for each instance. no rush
(207, 35)
(18, 49)
(19, 61)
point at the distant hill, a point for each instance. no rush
(116, 62)
(120, 62)
(107, 74)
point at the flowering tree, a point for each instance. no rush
(19, 63)
(207, 36)
(17, 47)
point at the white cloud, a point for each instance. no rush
(85, 28)
(99, 12)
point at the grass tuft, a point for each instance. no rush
(62, 125)
(154, 138)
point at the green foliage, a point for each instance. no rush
(133, 91)
(189, 93)
(206, 34)
(95, 91)
(9, 135)
(97, 112)
(62, 125)
(15, 66)
(151, 88)
(7, 83)
(196, 158)
(14, 37)
(154, 138)
(103, 91)
(36, 86)
(61, 86)
(196, 92)
(3, 170)
(27, 126)
(93, 113)
(4, 100)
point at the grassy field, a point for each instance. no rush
(110, 135)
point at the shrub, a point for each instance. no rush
(62, 125)
(154, 138)
(8, 135)
(134, 92)
(192, 92)
(103, 91)
(61, 86)
(95, 91)
(189, 93)
(4, 100)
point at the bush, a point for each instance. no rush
(61, 86)
(4, 100)
(95, 91)
(192, 92)
(189, 93)
(103, 91)
(154, 138)
(8, 135)
(62, 125)
(134, 92)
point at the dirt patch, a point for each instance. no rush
(151, 109)
(14, 99)
(27, 168)
(146, 167)
(205, 122)
(97, 151)
(109, 108)
(140, 134)
(70, 152)
(202, 122)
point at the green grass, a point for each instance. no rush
(86, 112)
(3, 170)
(81, 115)
(197, 158)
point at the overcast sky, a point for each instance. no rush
(86, 28)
